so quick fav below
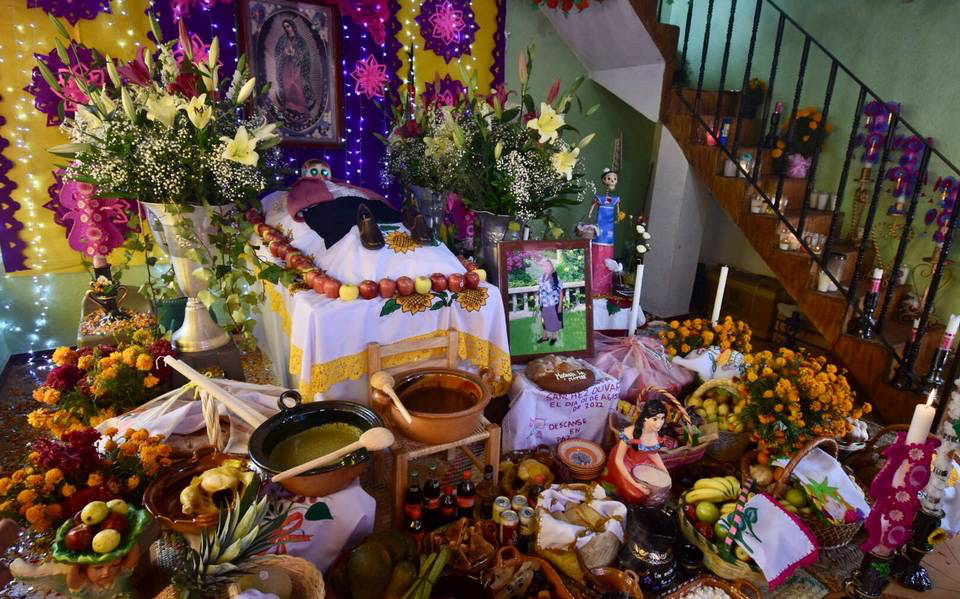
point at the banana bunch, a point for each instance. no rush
(727, 508)
(717, 489)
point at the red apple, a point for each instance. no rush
(279, 248)
(369, 289)
(117, 522)
(470, 266)
(387, 288)
(331, 288)
(471, 280)
(262, 229)
(318, 282)
(79, 538)
(405, 286)
(311, 275)
(691, 512)
(438, 282)
(272, 234)
(299, 261)
(455, 282)
(705, 529)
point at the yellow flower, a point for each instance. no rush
(150, 382)
(674, 324)
(110, 373)
(36, 513)
(143, 336)
(938, 536)
(163, 109)
(95, 479)
(242, 148)
(110, 432)
(6, 506)
(401, 242)
(18, 476)
(26, 497)
(144, 362)
(53, 476)
(129, 355)
(5, 484)
(64, 355)
(415, 303)
(67, 490)
(198, 111)
(472, 300)
(563, 162)
(85, 362)
(98, 389)
(813, 124)
(51, 396)
(547, 124)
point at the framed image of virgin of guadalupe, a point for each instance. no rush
(294, 45)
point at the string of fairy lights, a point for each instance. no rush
(34, 333)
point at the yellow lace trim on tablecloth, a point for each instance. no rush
(479, 352)
(279, 305)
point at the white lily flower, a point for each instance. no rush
(265, 133)
(641, 229)
(163, 109)
(563, 162)
(246, 90)
(641, 249)
(547, 124)
(242, 148)
(198, 111)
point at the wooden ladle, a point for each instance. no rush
(383, 381)
(373, 439)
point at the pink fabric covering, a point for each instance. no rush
(310, 191)
(602, 277)
(638, 363)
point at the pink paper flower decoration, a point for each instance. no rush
(99, 224)
(371, 77)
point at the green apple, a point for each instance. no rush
(422, 285)
(796, 497)
(707, 512)
(118, 506)
(741, 554)
(348, 292)
(720, 530)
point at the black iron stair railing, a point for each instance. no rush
(897, 125)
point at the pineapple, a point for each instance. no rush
(244, 532)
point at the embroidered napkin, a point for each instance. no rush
(776, 540)
(829, 487)
(713, 363)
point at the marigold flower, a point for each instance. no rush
(5, 484)
(110, 432)
(130, 355)
(36, 513)
(95, 479)
(133, 482)
(67, 490)
(150, 381)
(53, 476)
(35, 480)
(55, 510)
(64, 355)
(18, 476)
(27, 497)
(6, 506)
(144, 362)
(110, 373)
(85, 362)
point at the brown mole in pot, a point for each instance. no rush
(437, 400)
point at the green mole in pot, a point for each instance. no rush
(313, 443)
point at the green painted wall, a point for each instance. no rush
(526, 25)
(905, 52)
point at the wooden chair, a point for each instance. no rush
(405, 450)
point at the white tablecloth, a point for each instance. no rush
(538, 416)
(323, 341)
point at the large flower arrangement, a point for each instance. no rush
(514, 160)
(60, 476)
(793, 397)
(91, 385)
(681, 338)
(164, 128)
(794, 152)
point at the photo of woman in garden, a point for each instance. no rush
(551, 304)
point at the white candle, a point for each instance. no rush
(953, 325)
(718, 299)
(875, 280)
(922, 421)
(635, 307)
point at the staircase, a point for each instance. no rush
(693, 115)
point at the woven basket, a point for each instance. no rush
(306, 580)
(830, 535)
(740, 589)
(680, 456)
(714, 562)
(729, 446)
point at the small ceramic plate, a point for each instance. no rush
(581, 455)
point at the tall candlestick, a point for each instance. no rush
(718, 299)
(935, 376)
(876, 279)
(864, 325)
(635, 307)
(922, 420)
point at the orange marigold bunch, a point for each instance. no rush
(793, 397)
(681, 338)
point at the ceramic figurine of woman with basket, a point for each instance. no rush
(635, 468)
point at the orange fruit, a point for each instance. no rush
(763, 457)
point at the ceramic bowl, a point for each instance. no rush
(584, 459)
(445, 405)
(299, 417)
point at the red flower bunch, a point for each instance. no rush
(64, 378)
(75, 453)
(158, 350)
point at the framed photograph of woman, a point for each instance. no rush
(547, 296)
(294, 45)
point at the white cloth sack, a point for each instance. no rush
(703, 361)
(819, 466)
(776, 540)
(951, 506)
(539, 416)
(556, 534)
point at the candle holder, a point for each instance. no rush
(906, 565)
(865, 325)
(934, 378)
(869, 580)
(904, 378)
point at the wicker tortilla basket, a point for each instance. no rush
(739, 589)
(729, 446)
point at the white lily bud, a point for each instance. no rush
(246, 90)
(112, 71)
(128, 106)
(498, 150)
(214, 54)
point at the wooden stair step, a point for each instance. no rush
(708, 102)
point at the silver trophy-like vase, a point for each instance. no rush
(199, 332)
(494, 228)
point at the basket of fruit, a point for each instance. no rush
(708, 587)
(830, 533)
(701, 509)
(691, 442)
(720, 402)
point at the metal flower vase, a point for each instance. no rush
(198, 332)
(495, 228)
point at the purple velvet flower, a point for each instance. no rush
(445, 92)
(448, 27)
(48, 100)
(72, 10)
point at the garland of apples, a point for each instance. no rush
(302, 265)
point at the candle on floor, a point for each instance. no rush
(922, 420)
(718, 299)
(635, 307)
